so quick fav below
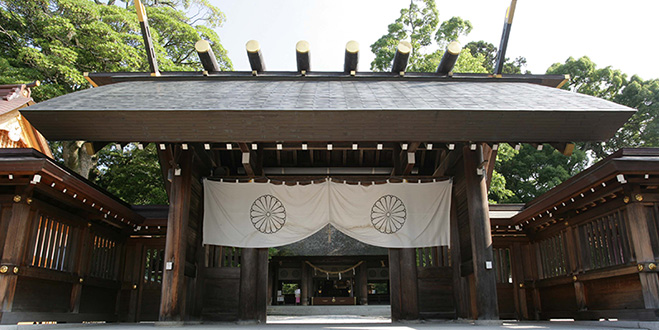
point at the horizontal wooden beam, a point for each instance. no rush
(450, 161)
(409, 162)
(564, 148)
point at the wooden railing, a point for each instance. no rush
(104, 256)
(502, 265)
(436, 256)
(553, 261)
(604, 242)
(51, 244)
(222, 256)
(154, 265)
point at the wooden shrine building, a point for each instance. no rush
(291, 128)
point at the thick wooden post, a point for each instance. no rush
(640, 235)
(172, 303)
(481, 237)
(403, 284)
(253, 285)
(362, 282)
(15, 245)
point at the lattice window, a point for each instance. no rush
(154, 264)
(437, 256)
(51, 246)
(502, 265)
(553, 257)
(222, 256)
(604, 241)
(104, 256)
(6, 142)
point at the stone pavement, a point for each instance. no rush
(337, 322)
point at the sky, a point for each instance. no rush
(620, 34)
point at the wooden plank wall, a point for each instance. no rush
(221, 282)
(62, 267)
(435, 283)
(590, 268)
(142, 280)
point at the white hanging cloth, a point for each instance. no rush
(392, 215)
(258, 215)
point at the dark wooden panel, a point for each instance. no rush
(150, 302)
(558, 298)
(35, 295)
(435, 292)
(220, 296)
(623, 292)
(98, 300)
(506, 300)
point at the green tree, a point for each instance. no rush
(642, 130)
(55, 41)
(489, 51)
(420, 25)
(119, 169)
(529, 172)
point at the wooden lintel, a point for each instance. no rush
(247, 162)
(490, 156)
(564, 148)
(409, 162)
(93, 147)
(449, 162)
(166, 159)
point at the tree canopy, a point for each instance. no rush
(522, 175)
(55, 41)
(420, 25)
(642, 130)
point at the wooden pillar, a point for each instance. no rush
(403, 284)
(15, 245)
(172, 302)
(572, 262)
(304, 285)
(253, 285)
(81, 265)
(362, 283)
(481, 236)
(637, 217)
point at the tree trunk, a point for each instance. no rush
(77, 159)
